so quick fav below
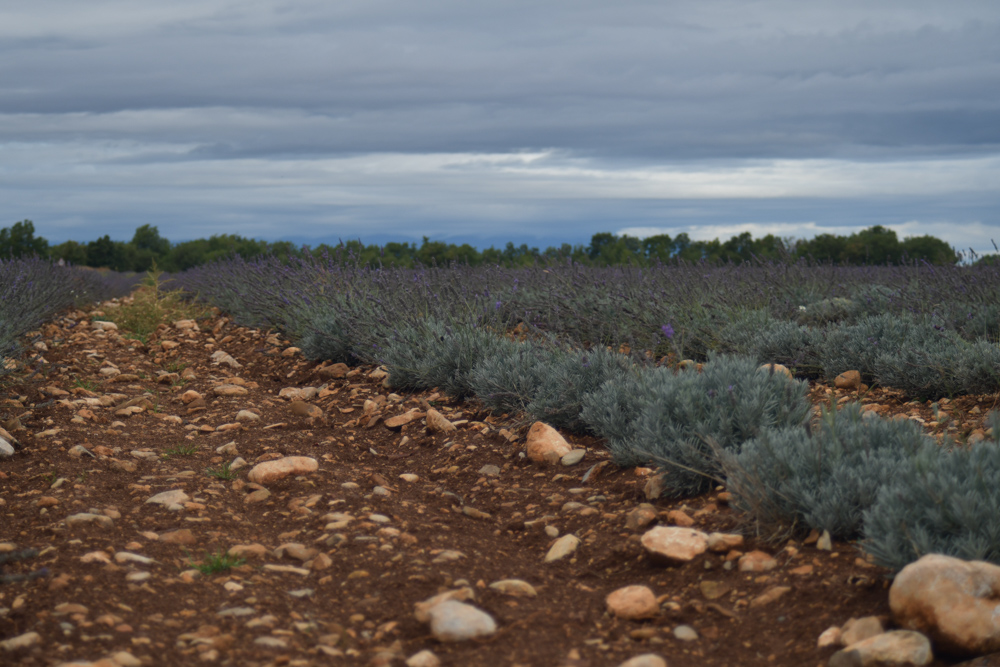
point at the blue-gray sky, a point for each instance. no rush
(540, 122)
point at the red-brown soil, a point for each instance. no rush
(360, 610)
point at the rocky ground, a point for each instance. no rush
(159, 553)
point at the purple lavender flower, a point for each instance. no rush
(667, 330)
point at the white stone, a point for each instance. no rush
(632, 603)
(645, 660)
(514, 587)
(545, 444)
(424, 658)
(453, 621)
(674, 543)
(272, 471)
(954, 602)
(898, 647)
(173, 497)
(563, 547)
(26, 640)
(6, 449)
(685, 633)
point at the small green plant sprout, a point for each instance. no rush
(85, 384)
(939, 416)
(217, 562)
(222, 472)
(176, 366)
(179, 450)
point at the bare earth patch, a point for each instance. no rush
(185, 561)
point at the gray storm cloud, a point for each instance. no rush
(375, 117)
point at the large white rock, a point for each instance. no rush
(675, 544)
(272, 471)
(6, 449)
(545, 444)
(954, 602)
(453, 621)
(899, 647)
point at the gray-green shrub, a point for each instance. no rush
(683, 421)
(943, 500)
(824, 479)
(429, 353)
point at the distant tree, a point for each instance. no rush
(875, 245)
(19, 240)
(824, 248)
(70, 252)
(105, 253)
(929, 249)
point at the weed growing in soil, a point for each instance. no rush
(180, 450)
(86, 384)
(151, 306)
(222, 472)
(220, 561)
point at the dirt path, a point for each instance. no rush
(389, 518)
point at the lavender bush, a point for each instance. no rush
(32, 290)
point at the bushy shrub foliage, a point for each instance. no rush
(825, 479)
(922, 358)
(684, 421)
(942, 500)
(825, 311)
(760, 336)
(566, 377)
(430, 353)
(32, 290)
(508, 379)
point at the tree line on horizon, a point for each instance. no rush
(148, 249)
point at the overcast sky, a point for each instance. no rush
(540, 122)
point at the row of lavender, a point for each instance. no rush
(858, 477)
(32, 290)
(931, 331)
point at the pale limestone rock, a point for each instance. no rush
(272, 471)
(757, 561)
(645, 660)
(778, 369)
(632, 603)
(307, 410)
(168, 498)
(829, 637)
(564, 546)
(248, 550)
(858, 629)
(453, 621)
(438, 423)
(545, 444)
(677, 545)
(847, 380)
(724, 542)
(86, 518)
(27, 640)
(425, 658)
(421, 610)
(898, 647)
(229, 390)
(514, 587)
(954, 602)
